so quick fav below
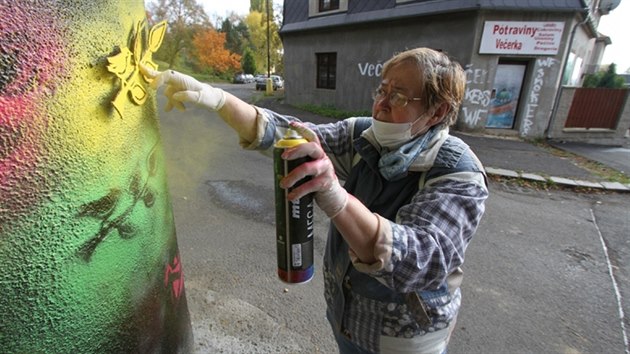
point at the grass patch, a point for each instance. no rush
(547, 186)
(595, 167)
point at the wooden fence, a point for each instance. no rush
(596, 108)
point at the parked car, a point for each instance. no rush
(240, 79)
(277, 82)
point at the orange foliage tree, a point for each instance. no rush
(210, 52)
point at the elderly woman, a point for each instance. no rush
(412, 199)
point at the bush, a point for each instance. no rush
(607, 79)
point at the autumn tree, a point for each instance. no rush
(185, 18)
(211, 53)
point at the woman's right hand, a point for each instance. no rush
(182, 88)
(330, 196)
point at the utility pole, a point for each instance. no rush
(269, 81)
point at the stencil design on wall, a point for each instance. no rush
(174, 277)
(114, 208)
(126, 65)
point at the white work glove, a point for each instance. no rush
(330, 196)
(182, 88)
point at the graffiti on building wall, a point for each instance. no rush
(370, 69)
(87, 234)
(542, 66)
(477, 97)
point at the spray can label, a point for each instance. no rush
(294, 219)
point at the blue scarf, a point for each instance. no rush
(394, 165)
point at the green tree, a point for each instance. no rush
(257, 25)
(607, 78)
(236, 36)
(257, 5)
(185, 18)
(248, 62)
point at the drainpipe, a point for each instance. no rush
(556, 100)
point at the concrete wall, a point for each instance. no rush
(361, 52)
(557, 131)
(89, 255)
(539, 85)
(362, 49)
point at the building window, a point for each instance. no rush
(328, 5)
(326, 70)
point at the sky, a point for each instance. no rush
(615, 25)
(223, 8)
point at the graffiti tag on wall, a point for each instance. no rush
(370, 69)
(543, 65)
(477, 98)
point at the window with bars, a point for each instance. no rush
(326, 70)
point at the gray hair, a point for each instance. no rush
(443, 80)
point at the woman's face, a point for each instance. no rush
(403, 78)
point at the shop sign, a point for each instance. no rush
(516, 37)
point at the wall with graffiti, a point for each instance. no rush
(509, 94)
(87, 239)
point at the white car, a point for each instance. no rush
(277, 82)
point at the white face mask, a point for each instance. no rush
(393, 135)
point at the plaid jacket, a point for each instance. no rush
(433, 212)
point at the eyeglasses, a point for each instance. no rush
(396, 99)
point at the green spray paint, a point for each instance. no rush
(87, 239)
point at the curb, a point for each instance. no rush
(567, 182)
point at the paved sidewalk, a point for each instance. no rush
(515, 158)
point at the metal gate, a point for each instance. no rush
(596, 108)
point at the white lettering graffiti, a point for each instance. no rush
(532, 105)
(473, 116)
(476, 98)
(475, 76)
(371, 70)
(546, 63)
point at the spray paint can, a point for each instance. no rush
(294, 219)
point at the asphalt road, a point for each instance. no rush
(547, 272)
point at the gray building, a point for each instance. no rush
(516, 54)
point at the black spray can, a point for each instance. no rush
(294, 220)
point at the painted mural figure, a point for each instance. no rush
(86, 228)
(408, 209)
